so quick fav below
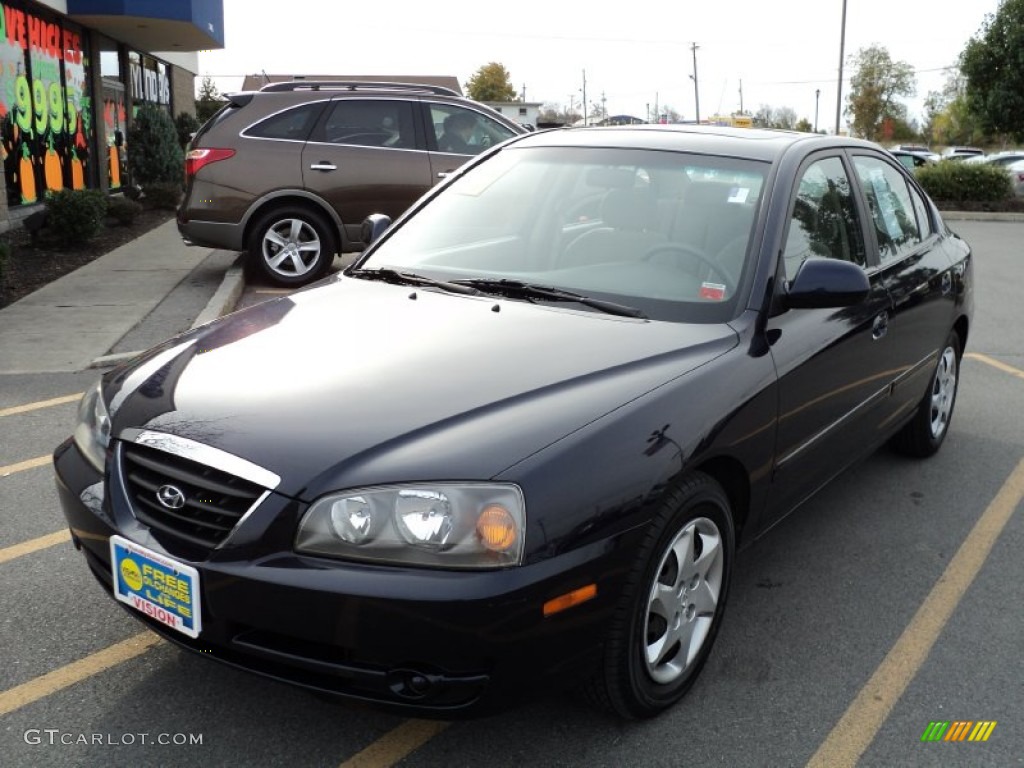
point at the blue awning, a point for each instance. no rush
(155, 25)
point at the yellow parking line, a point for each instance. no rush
(395, 745)
(21, 466)
(857, 728)
(996, 364)
(40, 404)
(66, 676)
(34, 545)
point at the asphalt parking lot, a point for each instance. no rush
(889, 602)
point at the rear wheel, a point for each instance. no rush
(673, 603)
(924, 433)
(291, 247)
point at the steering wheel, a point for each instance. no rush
(692, 253)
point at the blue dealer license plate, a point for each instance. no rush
(156, 585)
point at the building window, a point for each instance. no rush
(45, 107)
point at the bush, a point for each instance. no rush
(959, 181)
(123, 210)
(154, 155)
(186, 124)
(166, 195)
(76, 215)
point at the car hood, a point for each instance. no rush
(356, 382)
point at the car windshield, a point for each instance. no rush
(667, 233)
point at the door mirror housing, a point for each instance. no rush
(826, 283)
(373, 227)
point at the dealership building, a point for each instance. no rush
(73, 74)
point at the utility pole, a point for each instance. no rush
(524, 92)
(569, 114)
(604, 107)
(696, 89)
(585, 98)
(817, 95)
(741, 97)
(842, 46)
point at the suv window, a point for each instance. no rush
(824, 221)
(292, 124)
(892, 209)
(369, 123)
(464, 131)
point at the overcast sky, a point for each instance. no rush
(636, 53)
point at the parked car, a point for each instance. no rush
(911, 160)
(961, 153)
(574, 381)
(288, 173)
(1015, 171)
(917, 149)
(1003, 158)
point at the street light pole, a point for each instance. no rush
(817, 96)
(696, 90)
(839, 93)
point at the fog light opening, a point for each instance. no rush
(412, 684)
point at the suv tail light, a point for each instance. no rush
(197, 158)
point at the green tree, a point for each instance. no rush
(491, 82)
(208, 100)
(154, 154)
(186, 124)
(804, 126)
(948, 118)
(993, 66)
(876, 84)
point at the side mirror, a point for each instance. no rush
(827, 283)
(373, 227)
(118, 139)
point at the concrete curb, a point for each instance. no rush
(981, 216)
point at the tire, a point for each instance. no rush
(671, 608)
(291, 247)
(924, 434)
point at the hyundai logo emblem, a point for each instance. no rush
(170, 497)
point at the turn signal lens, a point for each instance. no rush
(570, 599)
(497, 528)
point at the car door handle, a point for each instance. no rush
(323, 165)
(881, 325)
(443, 174)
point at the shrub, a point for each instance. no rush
(76, 215)
(123, 210)
(960, 181)
(165, 195)
(154, 155)
(186, 124)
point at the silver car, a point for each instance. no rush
(1016, 173)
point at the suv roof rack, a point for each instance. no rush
(353, 85)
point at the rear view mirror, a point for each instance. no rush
(373, 227)
(826, 283)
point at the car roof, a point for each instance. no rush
(748, 143)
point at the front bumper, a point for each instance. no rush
(415, 641)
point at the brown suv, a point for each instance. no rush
(288, 173)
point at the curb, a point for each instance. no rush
(981, 216)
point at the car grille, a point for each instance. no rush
(214, 501)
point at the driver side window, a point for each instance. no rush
(823, 220)
(464, 131)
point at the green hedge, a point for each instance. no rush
(76, 215)
(960, 181)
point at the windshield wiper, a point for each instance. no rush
(517, 289)
(398, 277)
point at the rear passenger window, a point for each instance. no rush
(893, 211)
(370, 123)
(824, 220)
(292, 124)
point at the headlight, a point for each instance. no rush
(445, 525)
(92, 434)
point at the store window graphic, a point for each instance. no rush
(45, 112)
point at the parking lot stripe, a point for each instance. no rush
(66, 676)
(39, 404)
(996, 364)
(34, 545)
(396, 744)
(21, 466)
(856, 729)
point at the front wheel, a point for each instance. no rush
(924, 433)
(291, 247)
(672, 607)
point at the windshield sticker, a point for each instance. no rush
(712, 291)
(739, 194)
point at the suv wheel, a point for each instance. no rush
(291, 246)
